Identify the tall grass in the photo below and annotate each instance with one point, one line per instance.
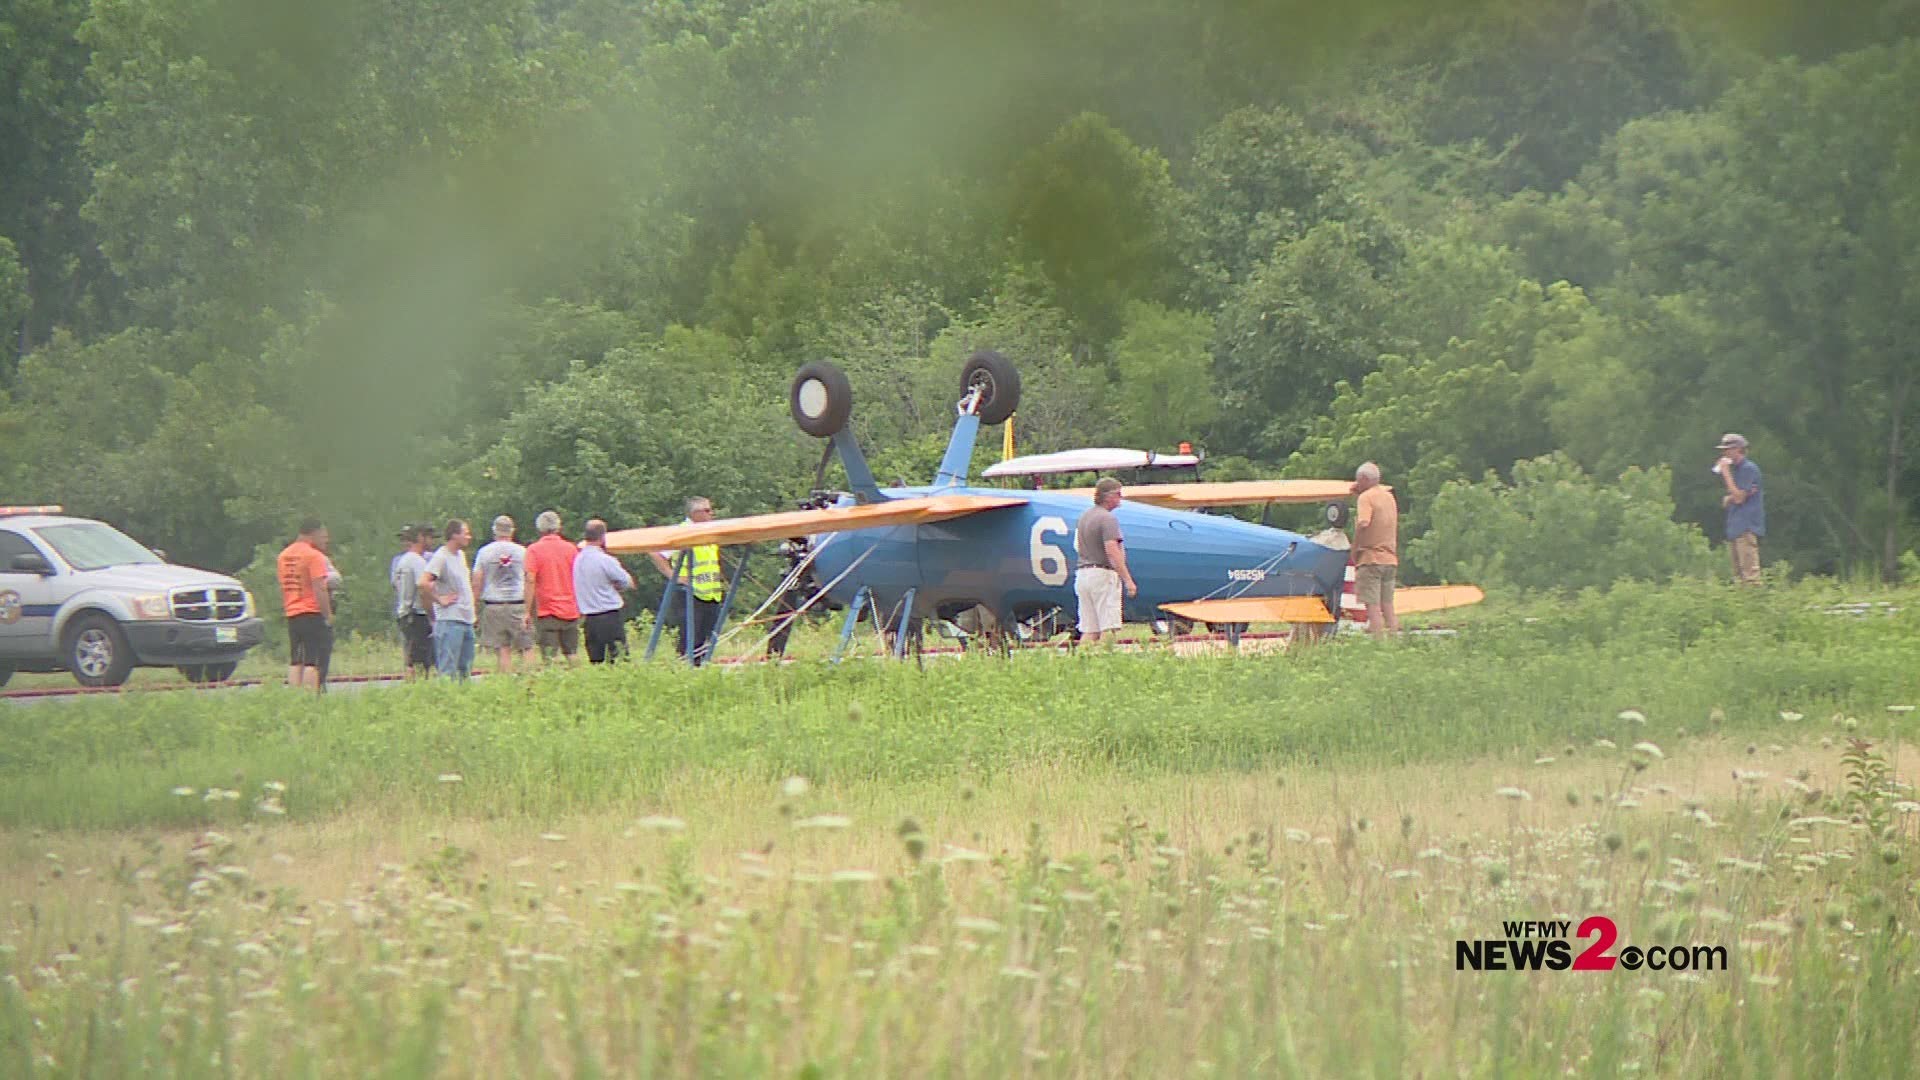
(1692, 658)
(1216, 949)
(1539, 767)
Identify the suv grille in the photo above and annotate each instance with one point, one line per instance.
(218, 603)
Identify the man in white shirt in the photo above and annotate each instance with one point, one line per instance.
(500, 581)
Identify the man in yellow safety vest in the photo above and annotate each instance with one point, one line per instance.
(701, 574)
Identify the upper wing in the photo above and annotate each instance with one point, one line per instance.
(1311, 609)
(1235, 493)
(746, 530)
(1417, 598)
(1287, 609)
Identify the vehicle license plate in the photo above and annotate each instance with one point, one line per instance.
(226, 635)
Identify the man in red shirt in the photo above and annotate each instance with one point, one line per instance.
(555, 610)
(308, 603)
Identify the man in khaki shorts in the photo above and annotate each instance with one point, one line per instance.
(500, 582)
(1102, 573)
(1376, 550)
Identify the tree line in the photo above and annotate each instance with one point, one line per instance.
(388, 262)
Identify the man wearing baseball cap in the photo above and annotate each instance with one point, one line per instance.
(409, 609)
(1745, 505)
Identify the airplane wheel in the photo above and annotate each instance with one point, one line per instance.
(821, 399)
(999, 383)
(1335, 515)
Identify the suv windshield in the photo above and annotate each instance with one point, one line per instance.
(92, 546)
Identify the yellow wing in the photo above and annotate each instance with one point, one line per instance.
(1420, 598)
(782, 526)
(1287, 609)
(1234, 493)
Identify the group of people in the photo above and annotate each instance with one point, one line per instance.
(510, 599)
(551, 593)
(1103, 576)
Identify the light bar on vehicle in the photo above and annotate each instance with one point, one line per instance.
(14, 511)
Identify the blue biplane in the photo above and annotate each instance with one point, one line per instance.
(951, 546)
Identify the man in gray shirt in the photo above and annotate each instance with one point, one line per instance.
(447, 585)
(1102, 573)
(500, 577)
(409, 607)
(597, 580)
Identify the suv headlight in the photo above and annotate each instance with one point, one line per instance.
(151, 607)
(246, 608)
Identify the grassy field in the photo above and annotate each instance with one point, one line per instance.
(1080, 865)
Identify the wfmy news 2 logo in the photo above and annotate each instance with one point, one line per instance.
(1547, 946)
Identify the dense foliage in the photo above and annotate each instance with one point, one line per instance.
(393, 263)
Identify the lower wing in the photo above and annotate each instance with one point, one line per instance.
(784, 526)
(1235, 493)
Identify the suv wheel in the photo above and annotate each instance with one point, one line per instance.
(97, 652)
(5, 674)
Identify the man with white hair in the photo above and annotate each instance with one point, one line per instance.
(556, 611)
(1376, 549)
(500, 581)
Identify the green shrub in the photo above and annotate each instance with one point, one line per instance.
(1555, 527)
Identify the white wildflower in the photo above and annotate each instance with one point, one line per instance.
(1514, 793)
(661, 823)
(451, 778)
(824, 821)
(793, 787)
(1649, 749)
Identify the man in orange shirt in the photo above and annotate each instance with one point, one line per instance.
(308, 603)
(1376, 550)
(550, 572)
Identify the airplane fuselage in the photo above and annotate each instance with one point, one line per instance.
(1021, 559)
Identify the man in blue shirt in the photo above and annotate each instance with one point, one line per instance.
(597, 580)
(1745, 505)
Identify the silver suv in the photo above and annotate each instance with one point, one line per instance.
(82, 596)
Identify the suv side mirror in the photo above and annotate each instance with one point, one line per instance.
(32, 563)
